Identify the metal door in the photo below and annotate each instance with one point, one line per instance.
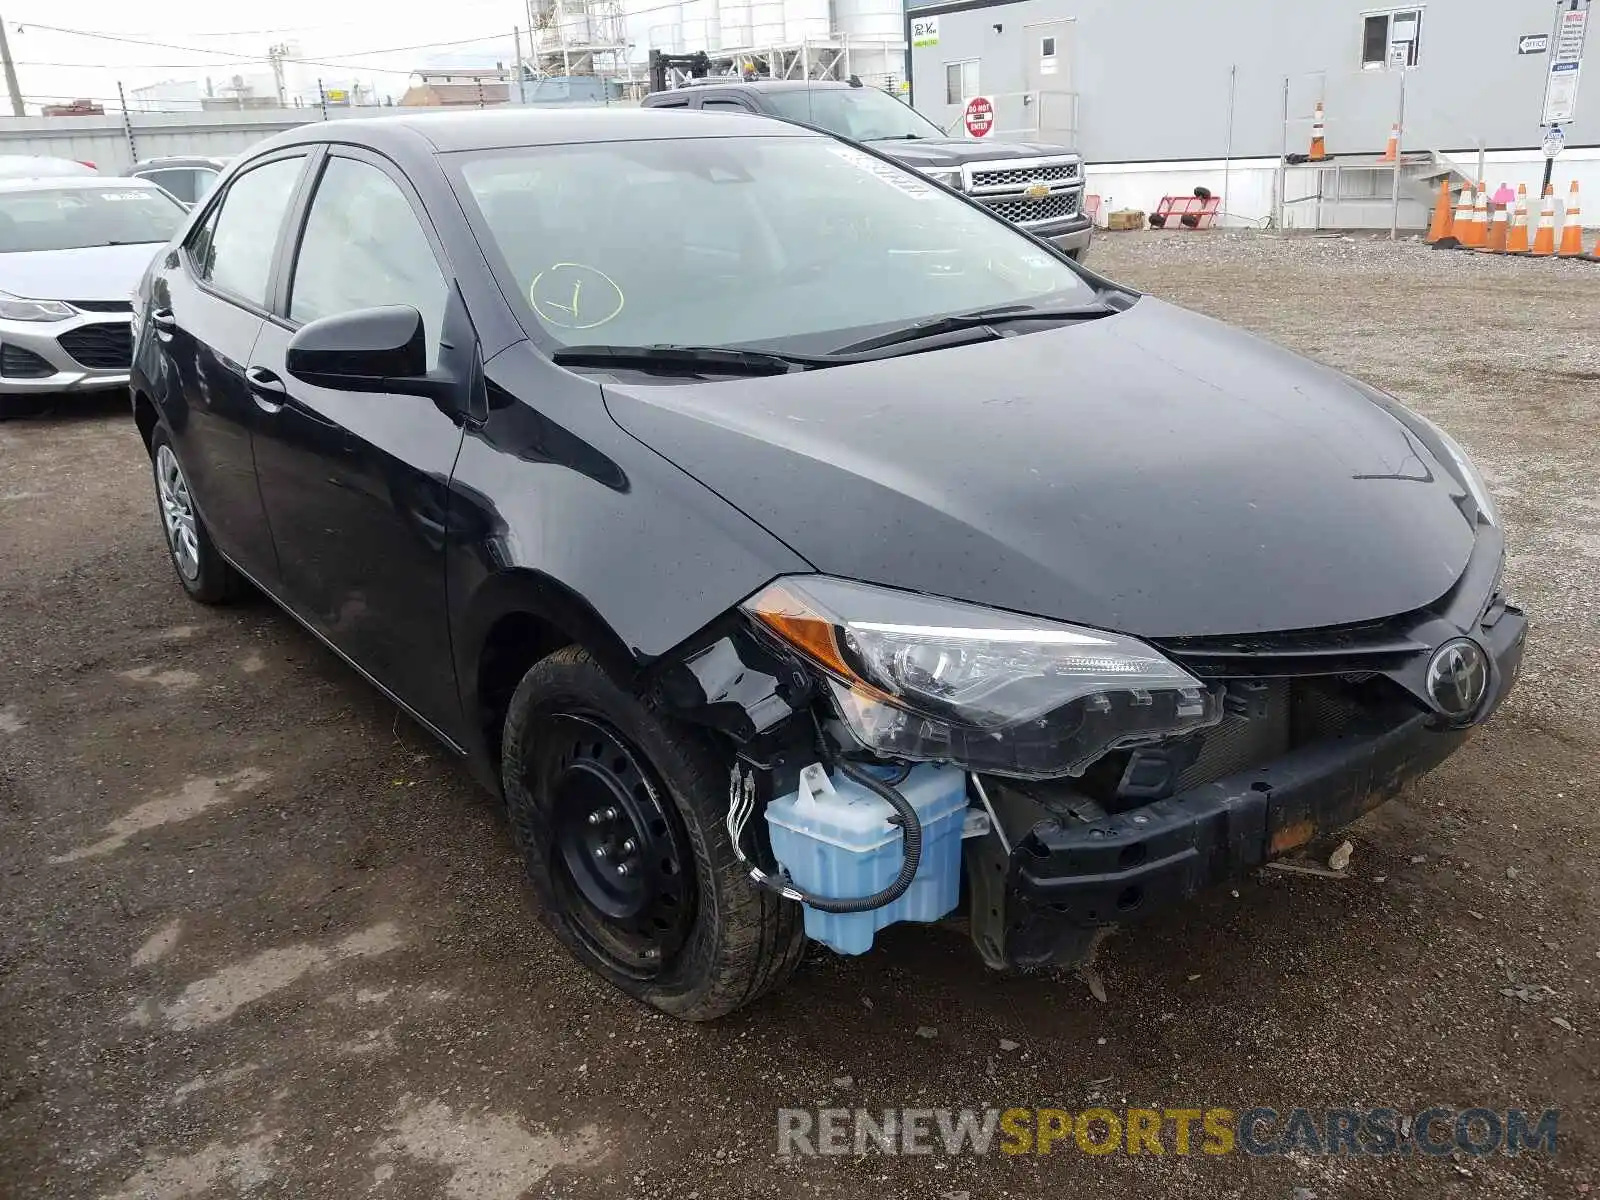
(1047, 78)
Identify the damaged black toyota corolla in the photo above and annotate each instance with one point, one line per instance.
(798, 547)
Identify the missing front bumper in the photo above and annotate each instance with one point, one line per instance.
(1064, 878)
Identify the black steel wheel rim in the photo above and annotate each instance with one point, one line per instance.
(620, 862)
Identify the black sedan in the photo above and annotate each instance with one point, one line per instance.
(797, 547)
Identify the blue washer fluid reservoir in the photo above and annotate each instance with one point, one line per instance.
(834, 838)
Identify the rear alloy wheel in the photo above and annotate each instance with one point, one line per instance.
(204, 573)
(618, 815)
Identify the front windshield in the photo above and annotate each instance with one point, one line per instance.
(792, 242)
(863, 114)
(72, 218)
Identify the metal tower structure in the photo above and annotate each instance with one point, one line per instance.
(578, 37)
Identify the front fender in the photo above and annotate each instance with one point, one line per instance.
(557, 512)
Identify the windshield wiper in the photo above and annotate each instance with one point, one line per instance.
(980, 318)
(693, 360)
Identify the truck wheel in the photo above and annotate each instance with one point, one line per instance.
(619, 818)
(203, 572)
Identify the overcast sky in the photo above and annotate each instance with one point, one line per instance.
(202, 37)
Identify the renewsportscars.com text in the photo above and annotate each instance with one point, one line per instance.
(1178, 1131)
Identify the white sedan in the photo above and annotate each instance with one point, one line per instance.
(72, 250)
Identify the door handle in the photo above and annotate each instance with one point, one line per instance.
(266, 389)
(164, 323)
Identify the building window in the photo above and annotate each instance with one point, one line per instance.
(1390, 39)
(960, 81)
(1047, 47)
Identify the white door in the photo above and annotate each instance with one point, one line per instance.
(1047, 77)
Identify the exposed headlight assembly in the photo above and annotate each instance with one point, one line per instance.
(16, 308)
(915, 677)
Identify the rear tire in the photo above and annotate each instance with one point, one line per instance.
(203, 572)
(596, 782)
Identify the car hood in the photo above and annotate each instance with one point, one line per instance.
(1154, 472)
(90, 273)
(953, 152)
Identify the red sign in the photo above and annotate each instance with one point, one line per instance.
(979, 116)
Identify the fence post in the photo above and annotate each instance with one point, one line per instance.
(1399, 161)
(1283, 161)
(1227, 154)
(127, 126)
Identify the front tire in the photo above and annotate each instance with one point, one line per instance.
(618, 816)
(203, 572)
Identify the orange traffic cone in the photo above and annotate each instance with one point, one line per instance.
(1544, 238)
(1443, 219)
(1518, 241)
(1319, 135)
(1499, 234)
(1571, 226)
(1480, 216)
(1391, 152)
(1462, 226)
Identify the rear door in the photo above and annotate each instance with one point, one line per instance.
(355, 483)
(207, 308)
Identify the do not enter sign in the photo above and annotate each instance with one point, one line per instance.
(979, 116)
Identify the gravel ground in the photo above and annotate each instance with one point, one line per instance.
(259, 936)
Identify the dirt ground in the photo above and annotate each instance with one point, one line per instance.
(258, 935)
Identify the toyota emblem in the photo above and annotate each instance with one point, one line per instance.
(1458, 677)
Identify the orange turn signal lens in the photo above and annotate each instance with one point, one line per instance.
(797, 623)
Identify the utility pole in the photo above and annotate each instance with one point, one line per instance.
(12, 87)
(276, 55)
(127, 125)
(522, 95)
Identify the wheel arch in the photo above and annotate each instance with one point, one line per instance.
(145, 418)
(514, 620)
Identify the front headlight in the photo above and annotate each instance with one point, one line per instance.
(16, 308)
(916, 677)
(950, 179)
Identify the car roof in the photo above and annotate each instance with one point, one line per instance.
(180, 160)
(56, 183)
(505, 128)
(769, 85)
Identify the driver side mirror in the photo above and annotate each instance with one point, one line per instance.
(368, 350)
